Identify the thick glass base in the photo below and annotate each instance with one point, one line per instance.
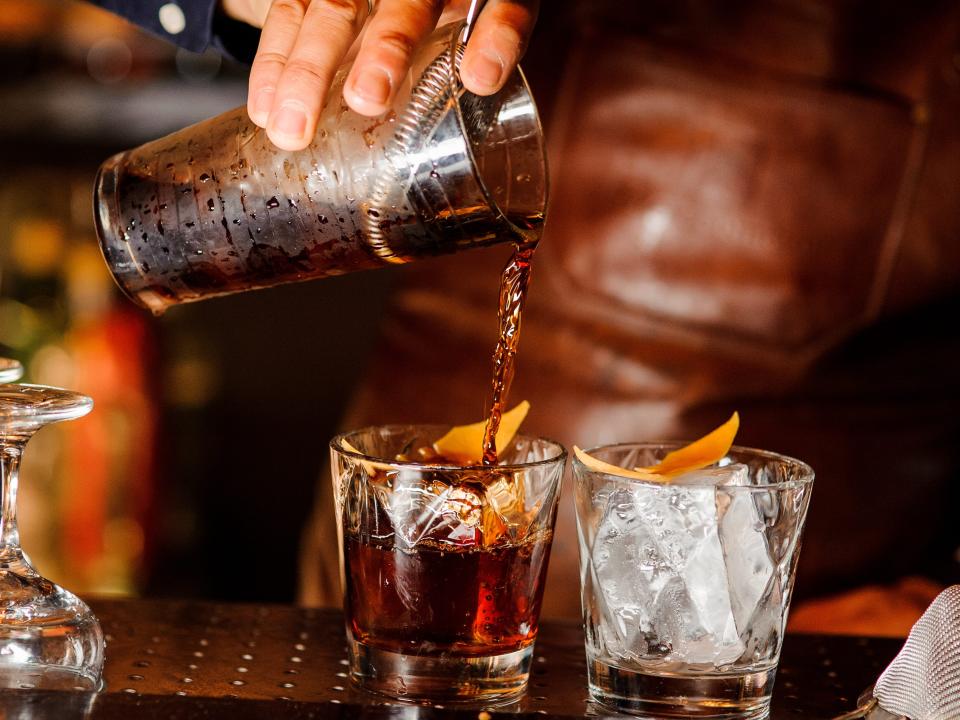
(49, 638)
(742, 696)
(445, 680)
(30, 676)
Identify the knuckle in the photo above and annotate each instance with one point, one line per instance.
(289, 9)
(310, 73)
(268, 59)
(426, 7)
(396, 43)
(511, 23)
(347, 12)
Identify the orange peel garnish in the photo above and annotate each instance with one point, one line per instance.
(699, 454)
(604, 467)
(465, 442)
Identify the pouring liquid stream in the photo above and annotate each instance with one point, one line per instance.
(514, 282)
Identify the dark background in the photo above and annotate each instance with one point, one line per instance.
(248, 389)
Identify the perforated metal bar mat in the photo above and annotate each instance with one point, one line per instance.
(180, 660)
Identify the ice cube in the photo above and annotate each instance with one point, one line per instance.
(733, 474)
(624, 563)
(659, 564)
(505, 516)
(421, 508)
(684, 523)
(746, 555)
(747, 558)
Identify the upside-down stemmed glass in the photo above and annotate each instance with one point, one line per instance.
(49, 638)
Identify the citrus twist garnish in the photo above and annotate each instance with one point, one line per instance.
(464, 443)
(701, 453)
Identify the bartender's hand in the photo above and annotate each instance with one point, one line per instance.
(304, 42)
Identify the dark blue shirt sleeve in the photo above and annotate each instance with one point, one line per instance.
(204, 26)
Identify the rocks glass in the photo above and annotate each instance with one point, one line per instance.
(686, 584)
(443, 565)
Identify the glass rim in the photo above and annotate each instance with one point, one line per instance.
(105, 186)
(337, 446)
(807, 472)
(456, 91)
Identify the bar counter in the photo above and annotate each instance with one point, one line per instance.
(177, 660)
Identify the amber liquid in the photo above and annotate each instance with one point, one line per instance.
(438, 599)
(473, 599)
(514, 282)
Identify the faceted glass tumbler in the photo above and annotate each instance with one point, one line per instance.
(49, 638)
(443, 566)
(686, 585)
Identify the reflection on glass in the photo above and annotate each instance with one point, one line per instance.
(46, 705)
(10, 370)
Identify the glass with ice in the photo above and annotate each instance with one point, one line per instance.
(443, 564)
(686, 582)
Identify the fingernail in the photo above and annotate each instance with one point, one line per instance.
(373, 85)
(262, 104)
(486, 68)
(290, 120)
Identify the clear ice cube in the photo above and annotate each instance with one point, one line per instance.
(681, 568)
(746, 556)
(625, 565)
(424, 509)
(733, 474)
(659, 565)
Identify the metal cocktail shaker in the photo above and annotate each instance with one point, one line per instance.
(216, 208)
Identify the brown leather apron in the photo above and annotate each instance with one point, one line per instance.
(755, 206)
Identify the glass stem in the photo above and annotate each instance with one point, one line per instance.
(10, 453)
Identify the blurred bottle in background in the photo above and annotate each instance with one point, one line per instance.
(79, 82)
(87, 492)
(156, 491)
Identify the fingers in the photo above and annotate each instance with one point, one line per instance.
(304, 41)
(279, 35)
(300, 72)
(497, 43)
(394, 33)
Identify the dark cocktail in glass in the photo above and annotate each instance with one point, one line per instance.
(444, 565)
